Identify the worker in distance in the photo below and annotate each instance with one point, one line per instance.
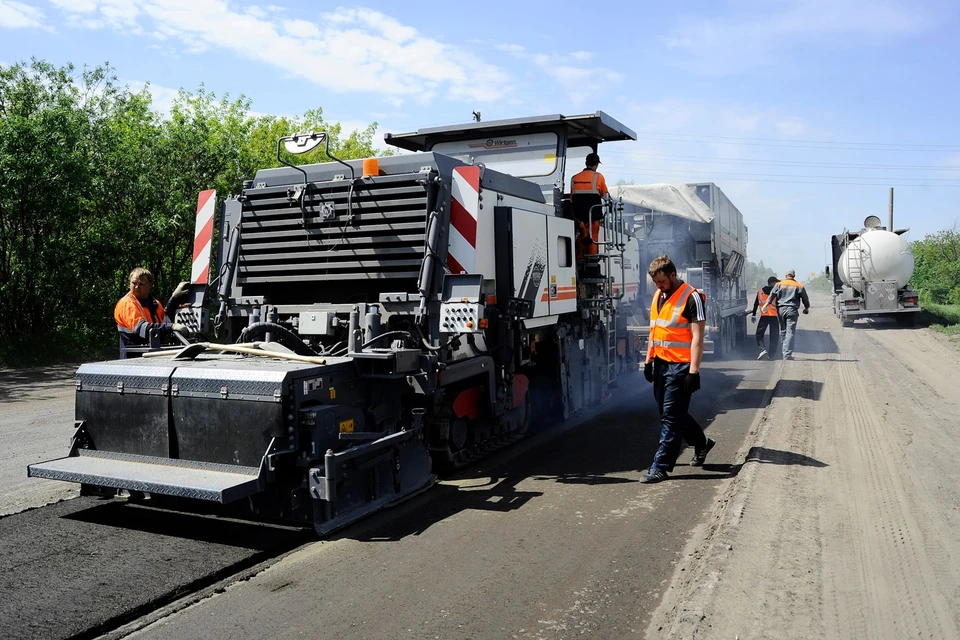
(788, 294)
(768, 320)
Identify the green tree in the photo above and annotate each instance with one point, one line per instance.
(936, 273)
(93, 182)
(756, 274)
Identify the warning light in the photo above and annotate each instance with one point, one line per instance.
(484, 323)
(371, 167)
(469, 324)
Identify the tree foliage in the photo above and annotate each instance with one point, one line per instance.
(94, 182)
(756, 274)
(936, 273)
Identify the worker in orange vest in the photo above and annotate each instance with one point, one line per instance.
(677, 323)
(768, 320)
(587, 190)
(138, 314)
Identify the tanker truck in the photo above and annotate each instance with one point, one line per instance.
(871, 270)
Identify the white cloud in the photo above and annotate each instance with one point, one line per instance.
(760, 29)
(344, 50)
(580, 82)
(17, 15)
(101, 14)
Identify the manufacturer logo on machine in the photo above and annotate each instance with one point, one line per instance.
(494, 143)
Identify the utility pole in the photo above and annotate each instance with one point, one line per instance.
(890, 228)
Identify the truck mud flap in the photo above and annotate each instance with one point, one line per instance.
(181, 478)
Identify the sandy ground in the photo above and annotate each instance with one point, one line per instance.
(842, 521)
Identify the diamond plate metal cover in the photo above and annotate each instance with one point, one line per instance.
(237, 384)
(130, 376)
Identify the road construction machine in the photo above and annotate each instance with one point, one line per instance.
(373, 321)
(871, 272)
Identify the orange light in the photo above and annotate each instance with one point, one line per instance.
(371, 167)
(470, 324)
(484, 323)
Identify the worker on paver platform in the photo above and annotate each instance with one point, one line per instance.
(587, 189)
(788, 294)
(677, 321)
(138, 312)
(768, 319)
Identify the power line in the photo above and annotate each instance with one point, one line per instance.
(919, 147)
(847, 182)
(798, 175)
(784, 163)
(823, 145)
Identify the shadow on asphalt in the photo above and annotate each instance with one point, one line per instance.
(806, 389)
(614, 441)
(23, 385)
(255, 536)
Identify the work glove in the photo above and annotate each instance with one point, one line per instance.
(180, 291)
(806, 309)
(648, 371)
(181, 328)
(753, 319)
(691, 383)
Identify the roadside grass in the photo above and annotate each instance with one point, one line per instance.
(943, 318)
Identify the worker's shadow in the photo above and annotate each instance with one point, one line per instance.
(761, 455)
(606, 448)
(764, 455)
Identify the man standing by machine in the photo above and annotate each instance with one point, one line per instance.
(768, 319)
(587, 190)
(677, 321)
(788, 294)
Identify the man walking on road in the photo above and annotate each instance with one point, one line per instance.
(788, 294)
(768, 319)
(677, 321)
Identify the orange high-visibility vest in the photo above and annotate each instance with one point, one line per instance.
(129, 312)
(588, 181)
(671, 337)
(772, 309)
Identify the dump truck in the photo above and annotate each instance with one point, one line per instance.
(698, 226)
(369, 323)
(871, 273)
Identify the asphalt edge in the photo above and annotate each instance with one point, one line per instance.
(680, 613)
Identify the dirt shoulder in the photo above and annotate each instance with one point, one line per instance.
(841, 521)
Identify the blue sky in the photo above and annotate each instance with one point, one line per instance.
(804, 112)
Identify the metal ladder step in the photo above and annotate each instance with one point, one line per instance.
(182, 478)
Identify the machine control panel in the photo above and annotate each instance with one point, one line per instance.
(460, 317)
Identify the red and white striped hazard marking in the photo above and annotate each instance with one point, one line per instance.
(464, 211)
(203, 236)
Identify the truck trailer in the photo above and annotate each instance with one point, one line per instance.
(368, 324)
(698, 226)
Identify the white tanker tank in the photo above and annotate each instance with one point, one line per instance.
(872, 269)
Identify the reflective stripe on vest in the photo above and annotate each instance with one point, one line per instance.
(772, 309)
(670, 334)
(593, 185)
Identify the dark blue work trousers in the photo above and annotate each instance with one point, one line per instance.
(676, 424)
